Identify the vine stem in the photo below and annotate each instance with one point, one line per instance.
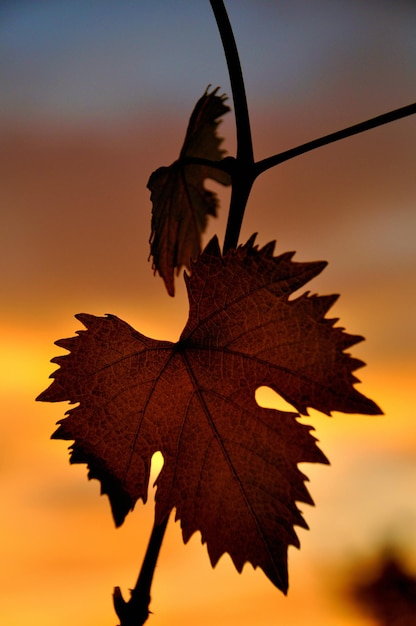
(135, 611)
(242, 170)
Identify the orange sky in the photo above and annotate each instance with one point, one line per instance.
(76, 217)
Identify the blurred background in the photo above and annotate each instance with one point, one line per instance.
(95, 96)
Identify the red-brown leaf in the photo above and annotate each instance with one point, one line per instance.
(230, 466)
(181, 203)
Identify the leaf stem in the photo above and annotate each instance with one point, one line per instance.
(243, 172)
(379, 120)
(136, 611)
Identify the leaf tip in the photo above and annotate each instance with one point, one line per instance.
(121, 502)
(170, 285)
(212, 248)
(250, 243)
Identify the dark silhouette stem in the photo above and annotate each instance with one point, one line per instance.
(244, 141)
(243, 172)
(385, 118)
(136, 611)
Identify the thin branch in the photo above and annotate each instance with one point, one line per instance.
(136, 611)
(385, 118)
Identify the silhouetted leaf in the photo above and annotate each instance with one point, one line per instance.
(181, 203)
(230, 466)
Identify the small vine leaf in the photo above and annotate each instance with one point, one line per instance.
(230, 466)
(181, 203)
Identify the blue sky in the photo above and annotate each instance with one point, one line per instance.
(108, 59)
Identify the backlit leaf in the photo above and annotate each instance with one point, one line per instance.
(230, 466)
(181, 203)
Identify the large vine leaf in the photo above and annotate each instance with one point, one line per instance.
(181, 203)
(230, 466)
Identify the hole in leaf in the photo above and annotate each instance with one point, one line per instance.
(156, 466)
(269, 399)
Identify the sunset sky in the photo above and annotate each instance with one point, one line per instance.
(95, 95)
